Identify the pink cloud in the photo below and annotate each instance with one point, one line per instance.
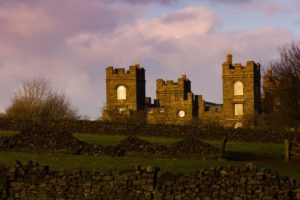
(163, 2)
(32, 45)
(268, 7)
(296, 4)
(74, 49)
(27, 22)
(171, 48)
(177, 25)
(35, 25)
(231, 1)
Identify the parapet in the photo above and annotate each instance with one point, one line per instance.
(134, 71)
(182, 82)
(230, 67)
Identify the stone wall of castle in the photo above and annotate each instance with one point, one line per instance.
(212, 115)
(240, 103)
(133, 85)
(169, 91)
(177, 104)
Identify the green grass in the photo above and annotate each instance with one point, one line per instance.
(233, 149)
(262, 155)
(7, 133)
(272, 150)
(115, 139)
(58, 161)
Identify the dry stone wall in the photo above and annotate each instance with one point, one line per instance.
(34, 181)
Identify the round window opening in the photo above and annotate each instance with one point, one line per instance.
(181, 113)
(238, 125)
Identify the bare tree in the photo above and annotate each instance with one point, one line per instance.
(286, 72)
(37, 101)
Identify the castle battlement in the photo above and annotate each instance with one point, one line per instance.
(134, 71)
(175, 102)
(125, 89)
(229, 67)
(182, 82)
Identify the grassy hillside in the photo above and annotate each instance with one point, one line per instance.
(262, 155)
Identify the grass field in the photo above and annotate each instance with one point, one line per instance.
(58, 161)
(237, 148)
(6, 133)
(262, 155)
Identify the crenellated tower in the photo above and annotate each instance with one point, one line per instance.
(241, 92)
(176, 102)
(125, 90)
(166, 91)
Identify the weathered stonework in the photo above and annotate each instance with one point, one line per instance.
(134, 82)
(34, 181)
(249, 76)
(176, 103)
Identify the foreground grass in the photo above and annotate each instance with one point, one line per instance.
(115, 139)
(58, 161)
(262, 155)
(7, 133)
(235, 150)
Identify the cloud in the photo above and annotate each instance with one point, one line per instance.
(45, 19)
(231, 1)
(296, 5)
(32, 45)
(24, 21)
(179, 24)
(162, 2)
(169, 45)
(72, 48)
(266, 7)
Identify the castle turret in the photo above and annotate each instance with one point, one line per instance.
(176, 102)
(241, 92)
(125, 90)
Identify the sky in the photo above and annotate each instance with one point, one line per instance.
(71, 42)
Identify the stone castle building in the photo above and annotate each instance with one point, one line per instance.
(176, 103)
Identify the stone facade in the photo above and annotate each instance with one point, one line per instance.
(175, 102)
(125, 90)
(241, 103)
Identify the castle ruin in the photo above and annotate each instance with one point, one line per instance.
(175, 102)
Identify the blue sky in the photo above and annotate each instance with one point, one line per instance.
(70, 42)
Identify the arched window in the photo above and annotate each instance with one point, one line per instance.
(238, 88)
(121, 93)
